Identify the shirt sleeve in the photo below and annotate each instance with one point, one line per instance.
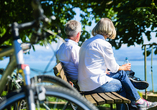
(75, 56)
(110, 61)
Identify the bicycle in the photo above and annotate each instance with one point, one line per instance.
(36, 95)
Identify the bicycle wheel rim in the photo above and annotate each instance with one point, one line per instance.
(59, 93)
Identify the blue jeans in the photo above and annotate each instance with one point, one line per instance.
(122, 85)
(112, 86)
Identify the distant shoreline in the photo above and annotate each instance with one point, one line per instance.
(138, 60)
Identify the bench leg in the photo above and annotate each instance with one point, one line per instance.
(126, 106)
(65, 106)
(111, 106)
(73, 107)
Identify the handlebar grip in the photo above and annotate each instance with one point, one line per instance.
(25, 46)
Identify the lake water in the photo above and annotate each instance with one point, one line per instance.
(137, 67)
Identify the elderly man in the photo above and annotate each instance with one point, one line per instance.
(68, 52)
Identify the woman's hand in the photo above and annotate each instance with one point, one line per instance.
(125, 67)
(107, 71)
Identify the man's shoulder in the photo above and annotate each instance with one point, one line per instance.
(69, 46)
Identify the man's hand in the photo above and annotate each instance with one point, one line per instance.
(71, 83)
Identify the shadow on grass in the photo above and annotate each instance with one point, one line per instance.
(106, 107)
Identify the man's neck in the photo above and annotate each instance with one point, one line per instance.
(73, 38)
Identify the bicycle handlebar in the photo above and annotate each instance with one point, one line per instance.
(34, 23)
(38, 11)
(40, 20)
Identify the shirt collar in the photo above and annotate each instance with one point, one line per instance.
(71, 41)
(100, 36)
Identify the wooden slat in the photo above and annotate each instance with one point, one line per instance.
(57, 68)
(59, 72)
(62, 75)
(90, 98)
(116, 99)
(106, 98)
(98, 99)
(125, 100)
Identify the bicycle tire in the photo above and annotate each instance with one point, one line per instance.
(57, 93)
(52, 81)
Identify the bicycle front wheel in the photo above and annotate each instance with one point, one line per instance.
(57, 98)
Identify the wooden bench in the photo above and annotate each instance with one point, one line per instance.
(95, 98)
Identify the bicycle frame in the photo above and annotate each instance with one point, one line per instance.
(9, 69)
(17, 61)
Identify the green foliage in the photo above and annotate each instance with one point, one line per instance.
(132, 18)
(148, 52)
(149, 48)
(4, 93)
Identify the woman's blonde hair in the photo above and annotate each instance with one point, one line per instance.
(105, 27)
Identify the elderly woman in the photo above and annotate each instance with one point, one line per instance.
(95, 57)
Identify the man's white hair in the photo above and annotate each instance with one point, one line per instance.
(72, 27)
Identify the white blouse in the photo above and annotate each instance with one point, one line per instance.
(96, 55)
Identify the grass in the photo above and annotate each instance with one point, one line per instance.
(106, 107)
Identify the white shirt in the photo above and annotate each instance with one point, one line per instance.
(68, 54)
(96, 55)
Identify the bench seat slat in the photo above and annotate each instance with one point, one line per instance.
(98, 99)
(106, 98)
(90, 98)
(125, 100)
(115, 98)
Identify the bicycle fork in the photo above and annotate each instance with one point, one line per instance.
(23, 68)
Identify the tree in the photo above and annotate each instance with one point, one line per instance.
(132, 18)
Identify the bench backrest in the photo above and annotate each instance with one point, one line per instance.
(59, 71)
